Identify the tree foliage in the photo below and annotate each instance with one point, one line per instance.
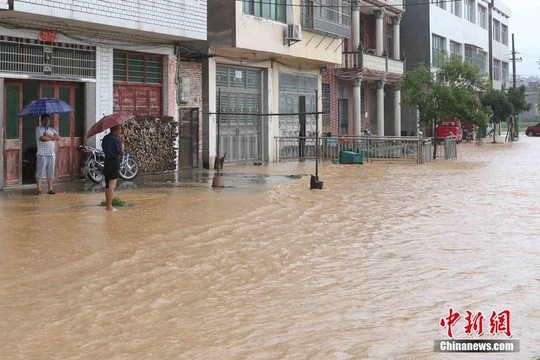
(450, 91)
(500, 106)
(517, 97)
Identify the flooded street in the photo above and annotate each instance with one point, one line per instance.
(268, 269)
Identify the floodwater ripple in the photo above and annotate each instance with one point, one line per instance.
(362, 269)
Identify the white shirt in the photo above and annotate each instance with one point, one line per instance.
(45, 148)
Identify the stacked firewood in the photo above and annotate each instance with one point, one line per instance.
(152, 141)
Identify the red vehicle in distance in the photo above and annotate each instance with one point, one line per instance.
(450, 127)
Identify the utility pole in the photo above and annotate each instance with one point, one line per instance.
(515, 133)
(490, 38)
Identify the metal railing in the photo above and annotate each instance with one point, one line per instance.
(372, 148)
(447, 148)
(360, 59)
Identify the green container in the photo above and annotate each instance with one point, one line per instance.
(350, 157)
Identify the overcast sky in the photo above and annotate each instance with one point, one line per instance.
(524, 24)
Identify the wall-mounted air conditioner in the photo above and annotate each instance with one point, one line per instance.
(293, 34)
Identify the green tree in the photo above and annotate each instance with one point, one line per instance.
(449, 91)
(501, 108)
(517, 97)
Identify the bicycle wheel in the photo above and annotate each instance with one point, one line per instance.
(129, 168)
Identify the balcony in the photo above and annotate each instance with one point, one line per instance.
(359, 59)
(327, 17)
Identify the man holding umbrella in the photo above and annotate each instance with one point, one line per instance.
(46, 152)
(113, 149)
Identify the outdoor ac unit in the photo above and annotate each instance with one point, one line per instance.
(293, 33)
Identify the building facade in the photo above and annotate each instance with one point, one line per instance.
(361, 93)
(100, 57)
(268, 56)
(475, 30)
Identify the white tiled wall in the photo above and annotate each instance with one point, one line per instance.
(186, 18)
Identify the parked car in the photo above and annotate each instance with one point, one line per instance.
(533, 130)
(450, 127)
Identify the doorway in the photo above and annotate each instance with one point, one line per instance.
(188, 156)
(20, 141)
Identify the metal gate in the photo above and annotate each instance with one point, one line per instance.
(241, 135)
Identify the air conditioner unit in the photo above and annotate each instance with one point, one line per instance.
(293, 33)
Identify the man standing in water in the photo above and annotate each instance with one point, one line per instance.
(46, 152)
(113, 149)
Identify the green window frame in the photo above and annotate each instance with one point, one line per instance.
(268, 9)
(137, 68)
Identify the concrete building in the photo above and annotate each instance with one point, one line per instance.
(531, 96)
(458, 27)
(99, 56)
(268, 56)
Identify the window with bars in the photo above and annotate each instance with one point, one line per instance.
(267, 9)
(455, 49)
(438, 49)
(137, 68)
(496, 70)
(476, 56)
(34, 57)
(504, 71)
(326, 104)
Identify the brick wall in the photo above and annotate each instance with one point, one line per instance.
(193, 71)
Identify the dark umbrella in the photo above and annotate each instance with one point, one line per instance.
(46, 106)
(108, 122)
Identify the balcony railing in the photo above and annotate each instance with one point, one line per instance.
(359, 59)
(329, 17)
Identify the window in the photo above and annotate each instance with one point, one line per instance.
(268, 9)
(504, 34)
(438, 49)
(455, 7)
(482, 16)
(389, 40)
(475, 55)
(496, 70)
(469, 10)
(504, 70)
(455, 49)
(439, 3)
(137, 68)
(496, 30)
(326, 104)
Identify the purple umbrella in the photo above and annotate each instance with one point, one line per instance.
(46, 106)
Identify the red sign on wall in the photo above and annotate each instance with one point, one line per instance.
(47, 35)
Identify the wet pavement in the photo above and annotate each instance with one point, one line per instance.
(240, 177)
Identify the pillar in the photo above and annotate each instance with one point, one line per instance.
(396, 20)
(357, 106)
(355, 24)
(380, 108)
(397, 112)
(379, 31)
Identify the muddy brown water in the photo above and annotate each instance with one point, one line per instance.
(267, 269)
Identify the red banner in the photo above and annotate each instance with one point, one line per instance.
(47, 35)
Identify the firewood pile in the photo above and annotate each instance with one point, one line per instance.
(151, 140)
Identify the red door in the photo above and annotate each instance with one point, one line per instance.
(70, 127)
(12, 134)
